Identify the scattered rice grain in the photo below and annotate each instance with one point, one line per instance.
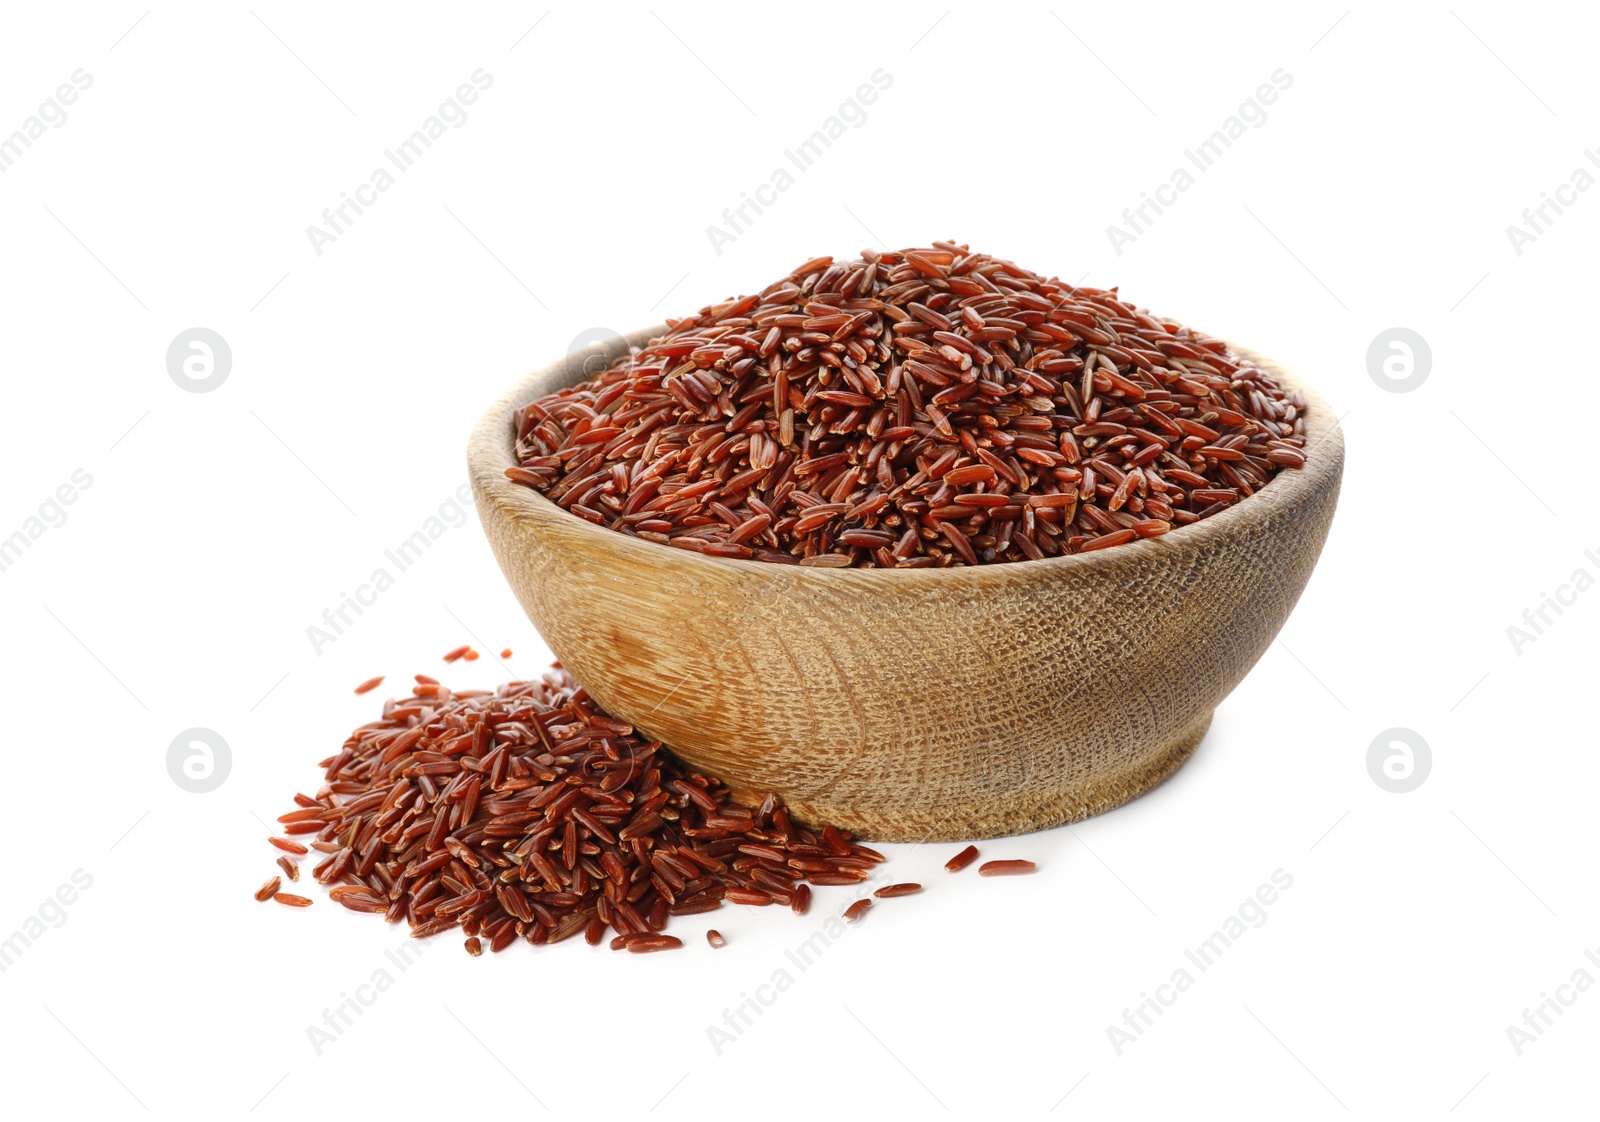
(891, 890)
(1005, 868)
(961, 860)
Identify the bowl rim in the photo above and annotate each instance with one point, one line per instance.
(492, 449)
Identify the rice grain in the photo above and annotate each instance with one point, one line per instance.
(923, 407)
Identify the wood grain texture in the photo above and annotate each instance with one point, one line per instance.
(915, 704)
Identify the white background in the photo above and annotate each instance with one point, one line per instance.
(576, 195)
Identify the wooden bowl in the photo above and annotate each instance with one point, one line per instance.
(914, 704)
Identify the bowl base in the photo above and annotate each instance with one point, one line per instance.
(1014, 814)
